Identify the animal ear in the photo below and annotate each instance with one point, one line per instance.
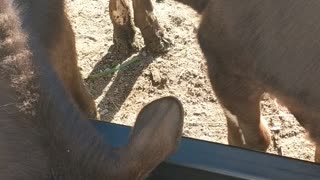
(156, 133)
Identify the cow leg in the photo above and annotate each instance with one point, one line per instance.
(308, 118)
(123, 27)
(317, 154)
(64, 60)
(147, 22)
(232, 73)
(241, 104)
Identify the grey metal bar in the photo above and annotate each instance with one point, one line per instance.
(201, 160)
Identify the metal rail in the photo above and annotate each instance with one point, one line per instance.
(201, 160)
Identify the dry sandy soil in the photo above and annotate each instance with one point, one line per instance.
(181, 73)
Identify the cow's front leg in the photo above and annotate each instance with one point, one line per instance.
(123, 26)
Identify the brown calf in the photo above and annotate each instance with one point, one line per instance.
(43, 134)
(144, 19)
(258, 46)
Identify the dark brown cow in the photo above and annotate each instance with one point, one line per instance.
(43, 134)
(257, 46)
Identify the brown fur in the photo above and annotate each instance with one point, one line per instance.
(17, 103)
(15, 65)
(62, 52)
(258, 46)
(56, 141)
(64, 58)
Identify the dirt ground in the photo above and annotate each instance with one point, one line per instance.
(181, 73)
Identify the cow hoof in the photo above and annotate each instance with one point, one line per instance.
(125, 48)
(159, 46)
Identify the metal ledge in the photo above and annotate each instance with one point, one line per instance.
(201, 160)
